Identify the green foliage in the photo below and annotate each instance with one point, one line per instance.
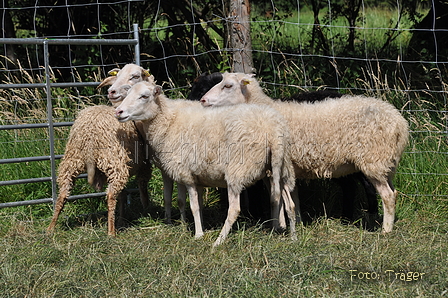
(149, 258)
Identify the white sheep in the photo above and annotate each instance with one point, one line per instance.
(121, 81)
(226, 147)
(109, 152)
(332, 138)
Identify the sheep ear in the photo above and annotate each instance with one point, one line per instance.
(150, 79)
(245, 82)
(157, 90)
(145, 72)
(107, 81)
(113, 72)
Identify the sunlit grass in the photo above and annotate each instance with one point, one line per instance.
(157, 260)
(151, 259)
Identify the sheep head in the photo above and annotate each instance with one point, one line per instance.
(141, 102)
(203, 83)
(121, 80)
(233, 89)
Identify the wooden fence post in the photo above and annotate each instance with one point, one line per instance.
(240, 40)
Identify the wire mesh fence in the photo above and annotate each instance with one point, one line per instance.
(384, 51)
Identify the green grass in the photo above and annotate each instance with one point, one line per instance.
(151, 259)
(156, 260)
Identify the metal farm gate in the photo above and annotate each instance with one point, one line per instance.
(50, 124)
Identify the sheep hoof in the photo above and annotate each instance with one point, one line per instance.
(217, 242)
(198, 236)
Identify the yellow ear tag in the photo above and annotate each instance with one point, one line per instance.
(113, 73)
(246, 82)
(146, 73)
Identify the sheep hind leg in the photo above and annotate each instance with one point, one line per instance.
(388, 196)
(281, 213)
(232, 215)
(276, 201)
(67, 174)
(60, 202)
(290, 210)
(111, 206)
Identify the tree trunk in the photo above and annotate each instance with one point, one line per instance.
(240, 40)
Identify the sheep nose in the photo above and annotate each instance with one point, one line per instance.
(111, 91)
(118, 113)
(203, 100)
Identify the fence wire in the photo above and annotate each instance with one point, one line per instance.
(288, 56)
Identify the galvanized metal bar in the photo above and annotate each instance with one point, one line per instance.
(49, 200)
(137, 45)
(33, 180)
(34, 125)
(50, 125)
(55, 85)
(25, 203)
(66, 41)
(54, 192)
(25, 181)
(28, 159)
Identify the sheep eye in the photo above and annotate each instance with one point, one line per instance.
(134, 77)
(145, 96)
(227, 86)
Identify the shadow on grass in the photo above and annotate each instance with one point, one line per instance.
(318, 198)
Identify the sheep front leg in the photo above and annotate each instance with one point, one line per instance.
(181, 200)
(232, 215)
(167, 196)
(196, 210)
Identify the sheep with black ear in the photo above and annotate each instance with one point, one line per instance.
(332, 138)
(257, 196)
(227, 147)
(108, 151)
(203, 83)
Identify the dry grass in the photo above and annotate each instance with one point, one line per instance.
(152, 259)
